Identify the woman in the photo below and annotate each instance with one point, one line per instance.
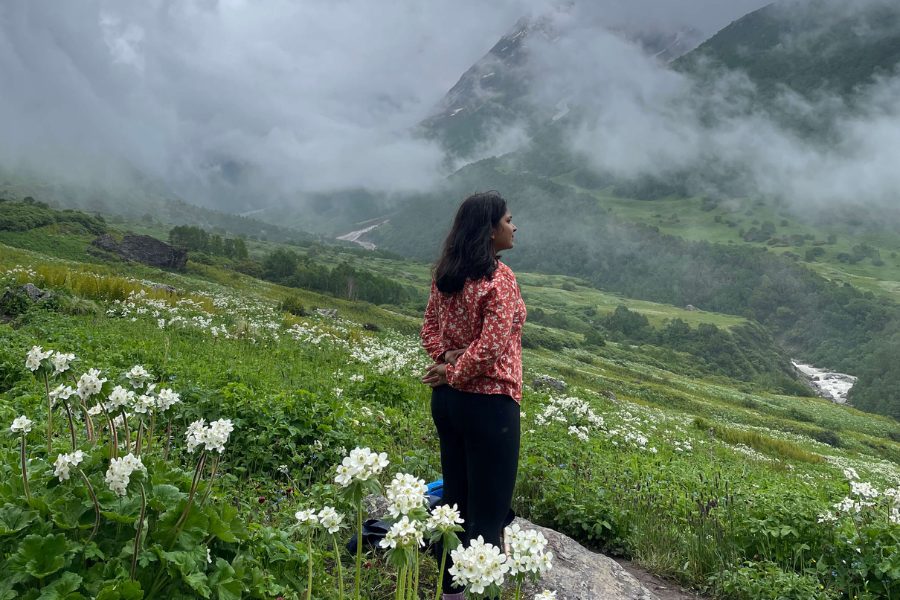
(473, 332)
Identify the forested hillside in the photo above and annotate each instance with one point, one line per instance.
(565, 232)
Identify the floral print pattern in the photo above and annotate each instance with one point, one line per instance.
(486, 318)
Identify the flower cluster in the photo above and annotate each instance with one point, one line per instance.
(403, 534)
(21, 424)
(61, 362)
(361, 465)
(166, 398)
(330, 519)
(90, 384)
(405, 493)
(527, 548)
(61, 392)
(138, 376)
(443, 517)
(213, 438)
(35, 356)
(119, 473)
(479, 566)
(119, 397)
(64, 462)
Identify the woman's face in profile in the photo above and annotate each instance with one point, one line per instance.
(504, 233)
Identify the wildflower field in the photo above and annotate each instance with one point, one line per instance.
(203, 442)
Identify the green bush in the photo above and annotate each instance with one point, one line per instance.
(294, 305)
(18, 216)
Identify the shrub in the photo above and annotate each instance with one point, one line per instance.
(18, 216)
(293, 305)
(829, 437)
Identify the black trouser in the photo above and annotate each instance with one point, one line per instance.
(479, 435)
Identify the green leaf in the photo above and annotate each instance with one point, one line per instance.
(63, 588)
(6, 588)
(164, 496)
(220, 527)
(198, 582)
(13, 519)
(40, 556)
(67, 513)
(127, 510)
(122, 590)
(223, 581)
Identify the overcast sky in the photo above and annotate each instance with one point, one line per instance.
(314, 94)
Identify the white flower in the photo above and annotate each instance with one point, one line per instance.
(208, 556)
(545, 595)
(213, 437)
(137, 376)
(89, 384)
(478, 566)
(120, 397)
(119, 473)
(64, 462)
(21, 424)
(404, 534)
(864, 489)
(405, 493)
(63, 392)
(306, 516)
(61, 362)
(850, 473)
(161, 323)
(166, 399)
(330, 519)
(361, 465)
(144, 404)
(35, 356)
(444, 517)
(95, 410)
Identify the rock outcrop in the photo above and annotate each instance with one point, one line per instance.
(577, 573)
(143, 249)
(11, 303)
(545, 381)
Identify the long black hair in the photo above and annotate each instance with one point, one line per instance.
(468, 251)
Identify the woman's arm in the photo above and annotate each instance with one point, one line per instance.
(431, 329)
(495, 332)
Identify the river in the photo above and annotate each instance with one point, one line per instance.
(827, 384)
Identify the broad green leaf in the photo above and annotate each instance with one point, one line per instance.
(13, 519)
(40, 556)
(223, 581)
(6, 588)
(122, 590)
(67, 513)
(164, 497)
(198, 582)
(63, 588)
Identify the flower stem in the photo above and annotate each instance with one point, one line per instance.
(190, 500)
(168, 437)
(24, 472)
(309, 561)
(71, 424)
(337, 559)
(150, 435)
(401, 582)
(49, 417)
(440, 577)
(96, 506)
(138, 443)
(137, 538)
(416, 586)
(359, 545)
(518, 589)
(211, 478)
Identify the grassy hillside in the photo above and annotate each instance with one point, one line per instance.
(676, 458)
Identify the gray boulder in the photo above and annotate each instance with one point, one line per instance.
(691, 308)
(150, 251)
(327, 312)
(609, 395)
(577, 573)
(542, 381)
(106, 242)
(29, 290)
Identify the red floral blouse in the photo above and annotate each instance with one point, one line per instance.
(486, 318)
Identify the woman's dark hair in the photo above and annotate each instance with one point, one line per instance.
(468, 251)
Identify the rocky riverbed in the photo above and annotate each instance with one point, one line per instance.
(827, 384)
